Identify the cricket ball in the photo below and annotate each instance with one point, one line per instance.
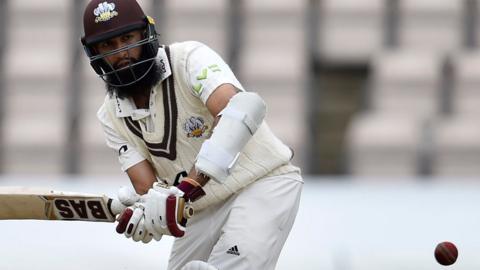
(446, 253)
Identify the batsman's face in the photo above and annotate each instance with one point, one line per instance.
(124, 57)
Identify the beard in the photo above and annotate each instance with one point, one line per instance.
(141, 87)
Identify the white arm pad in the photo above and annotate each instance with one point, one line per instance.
(240, 120)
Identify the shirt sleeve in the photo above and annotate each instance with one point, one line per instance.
(127, 153)
(206, 71)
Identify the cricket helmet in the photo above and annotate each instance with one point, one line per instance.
(105, 19)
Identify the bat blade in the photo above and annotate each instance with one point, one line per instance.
(47, 204)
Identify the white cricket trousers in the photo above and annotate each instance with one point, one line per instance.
(247, 231)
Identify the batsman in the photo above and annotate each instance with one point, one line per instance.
(187, 133)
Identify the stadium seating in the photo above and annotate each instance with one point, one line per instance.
(39, 61)
(36, 80)
(350, 31)
(408, 84)
(456, 146)
(273, 63)
(406, 81)
(428, 85)
(194, 20)
(465, 93)
(431, 25)
(381, 144)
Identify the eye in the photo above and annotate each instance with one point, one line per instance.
(104, 45)
(127, 37)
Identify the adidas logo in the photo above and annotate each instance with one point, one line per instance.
(234, 251)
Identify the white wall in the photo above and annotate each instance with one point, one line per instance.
(342, 225)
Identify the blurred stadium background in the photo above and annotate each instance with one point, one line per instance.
(379, 98)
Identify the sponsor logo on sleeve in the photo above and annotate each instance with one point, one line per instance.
(203, 75)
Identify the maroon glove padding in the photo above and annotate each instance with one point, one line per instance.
(172, 217)
(192, 192)
(123, 220)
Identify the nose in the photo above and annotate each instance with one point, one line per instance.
(121, 55)
(119, 45)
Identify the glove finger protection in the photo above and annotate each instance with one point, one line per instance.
(140, 232)
(123, 219)
(128, 197)
(155, 209)
(133, 222)
(148, 237)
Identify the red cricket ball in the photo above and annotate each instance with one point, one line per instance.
(446, 253)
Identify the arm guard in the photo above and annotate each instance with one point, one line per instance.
(239, 120)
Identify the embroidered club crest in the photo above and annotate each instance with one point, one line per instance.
(104, 12)
(195, 127)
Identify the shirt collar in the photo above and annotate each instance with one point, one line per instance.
(126, 107)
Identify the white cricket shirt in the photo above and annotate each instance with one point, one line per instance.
(200, 61)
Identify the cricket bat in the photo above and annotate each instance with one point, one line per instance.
(47, 204)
